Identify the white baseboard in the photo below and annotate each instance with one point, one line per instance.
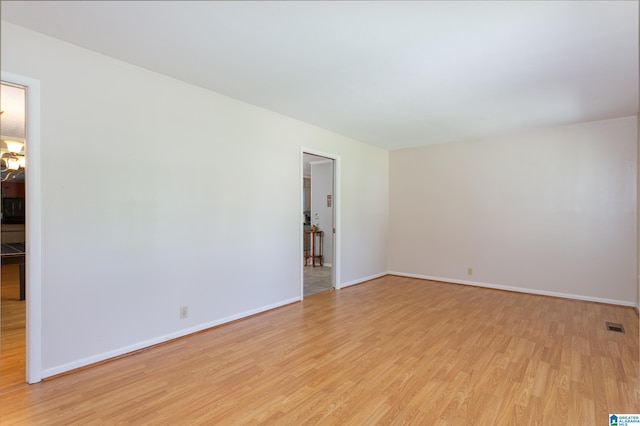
(518, 289)
(361, 280)
(161, 339)
(181, 333)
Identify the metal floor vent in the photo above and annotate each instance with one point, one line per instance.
(618, 328)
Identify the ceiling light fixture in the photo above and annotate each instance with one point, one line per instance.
(14, 147)
(12, 162)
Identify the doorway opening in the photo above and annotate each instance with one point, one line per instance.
(13, 99)
(319, 199)
(33, 224)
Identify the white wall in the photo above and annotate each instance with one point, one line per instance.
(157, 194)
(321, 214)
(551, 211)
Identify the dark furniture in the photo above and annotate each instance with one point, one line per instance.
(12, 254)
(313, 247)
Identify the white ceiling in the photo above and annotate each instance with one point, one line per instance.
(12, 119)
(390, 73)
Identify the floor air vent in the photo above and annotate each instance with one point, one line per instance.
(618, 328)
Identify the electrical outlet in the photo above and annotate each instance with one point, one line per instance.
(184, 312)
(469, 271)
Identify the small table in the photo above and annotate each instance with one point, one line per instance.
(12, 254)
(312, 250)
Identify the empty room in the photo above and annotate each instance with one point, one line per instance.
(472, 198)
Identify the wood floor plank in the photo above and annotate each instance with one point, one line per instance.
(391, 351)
(12, 330)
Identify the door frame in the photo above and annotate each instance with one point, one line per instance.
(33, 224)
(335, 266)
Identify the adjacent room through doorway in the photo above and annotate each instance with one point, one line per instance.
(12, 219)
(318, 223)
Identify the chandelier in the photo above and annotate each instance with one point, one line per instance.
(12, 162)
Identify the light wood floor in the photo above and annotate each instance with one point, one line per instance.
(12, 330)
(392, 350)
